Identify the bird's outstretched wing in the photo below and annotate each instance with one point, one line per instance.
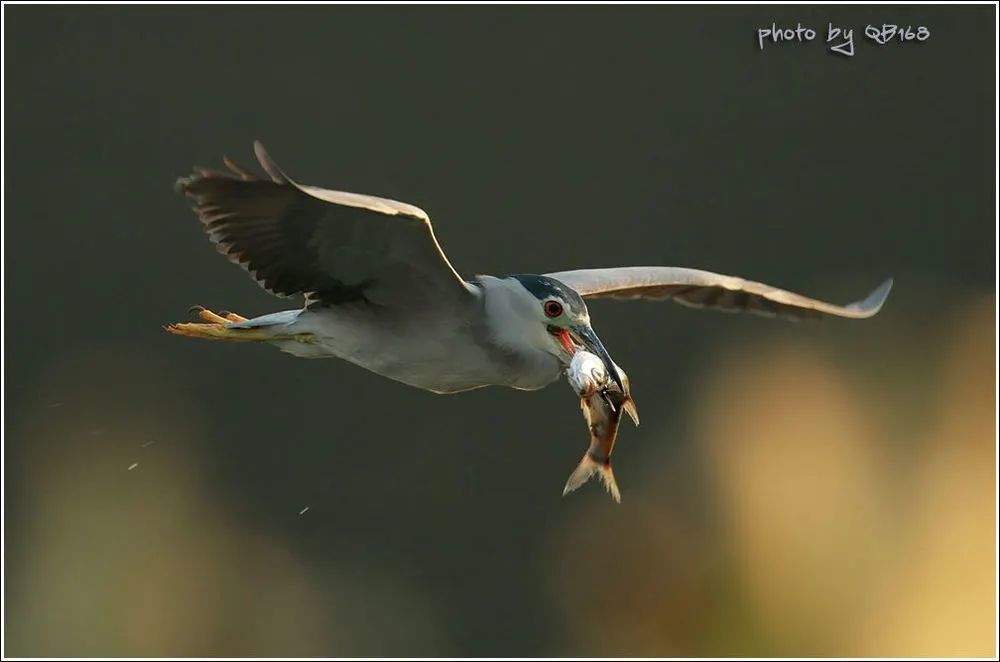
(331, 246)
(704, 289)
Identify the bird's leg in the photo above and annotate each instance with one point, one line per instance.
(209, 332)
(218, 327)
(221, 317)
(209, 316)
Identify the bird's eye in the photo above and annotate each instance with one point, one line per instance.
(553, 308)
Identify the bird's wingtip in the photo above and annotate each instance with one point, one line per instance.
(874, 301)
(881, 292)
(183, 184)
(268, 164)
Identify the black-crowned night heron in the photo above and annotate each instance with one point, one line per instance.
(380, 293)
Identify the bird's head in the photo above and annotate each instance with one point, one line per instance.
(561, 312)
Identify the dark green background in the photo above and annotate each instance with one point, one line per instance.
(538, 139)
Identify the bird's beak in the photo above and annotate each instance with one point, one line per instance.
(586, 337)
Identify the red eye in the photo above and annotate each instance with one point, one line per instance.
(553, 308)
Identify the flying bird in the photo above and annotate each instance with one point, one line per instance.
(380, 293)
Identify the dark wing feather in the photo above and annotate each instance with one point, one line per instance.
(704, 289)
(331, 246)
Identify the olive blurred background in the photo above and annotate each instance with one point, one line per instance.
(794, 489)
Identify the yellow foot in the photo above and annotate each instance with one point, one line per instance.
(218, 318)
(196, 330)
(216, 327)
(209, 316)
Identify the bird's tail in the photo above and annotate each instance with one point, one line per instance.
(589, 467)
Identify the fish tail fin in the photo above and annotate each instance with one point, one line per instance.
(587, 469)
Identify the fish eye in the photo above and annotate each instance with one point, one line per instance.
(553, 308)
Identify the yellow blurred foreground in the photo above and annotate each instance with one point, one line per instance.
(842, 504)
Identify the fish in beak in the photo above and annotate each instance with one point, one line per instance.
(602, 403)
(586, 338)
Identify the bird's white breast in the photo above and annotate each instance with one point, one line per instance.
(442, 354)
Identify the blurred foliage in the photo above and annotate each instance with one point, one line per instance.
(132, 553)
(832, 532)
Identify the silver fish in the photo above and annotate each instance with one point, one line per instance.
(602, 402)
